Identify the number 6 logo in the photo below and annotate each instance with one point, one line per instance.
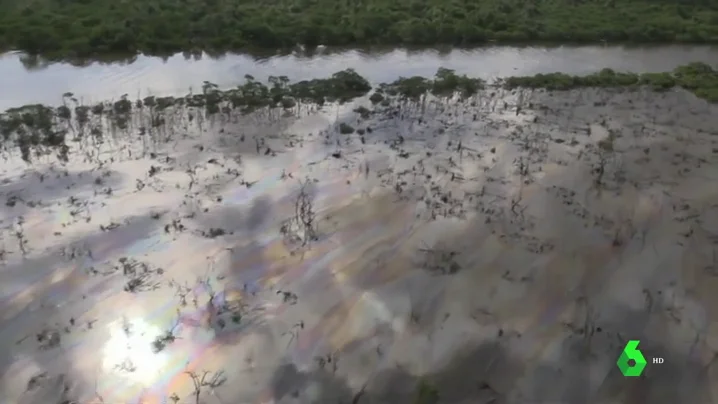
(631, 354)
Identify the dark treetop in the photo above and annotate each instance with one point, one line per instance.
(83, 28)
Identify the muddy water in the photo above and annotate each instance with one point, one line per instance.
(175, 75)
(468, 244)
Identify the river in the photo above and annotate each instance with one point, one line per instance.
(20, 85)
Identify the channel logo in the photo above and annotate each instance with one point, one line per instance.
(632, 362)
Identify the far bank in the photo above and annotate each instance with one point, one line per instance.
(62, 29)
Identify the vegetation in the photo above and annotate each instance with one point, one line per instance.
(82, 28)
(699, 78)
(43, 129)
(426, 393)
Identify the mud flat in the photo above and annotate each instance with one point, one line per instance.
(499, 248)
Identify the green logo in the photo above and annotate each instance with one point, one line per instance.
(631, 353)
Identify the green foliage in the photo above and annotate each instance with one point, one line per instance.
(699, 78)
(426, 393)
(84, 28)
(376, 97)
(446, 83)
(345, 129)
(32, 126)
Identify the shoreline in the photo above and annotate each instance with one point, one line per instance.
(303, 51)
(698, 78)
(42, 130)
(33, 61)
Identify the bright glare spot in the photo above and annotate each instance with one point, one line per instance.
(129, 352)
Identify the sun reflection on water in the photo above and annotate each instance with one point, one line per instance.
(128, 351)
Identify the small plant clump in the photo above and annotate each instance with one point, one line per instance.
(426, 393)
(33, 127)
(345, 129)
(446, 83)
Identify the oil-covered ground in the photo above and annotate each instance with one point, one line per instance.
(500, 249)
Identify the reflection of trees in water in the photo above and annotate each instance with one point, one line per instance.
(33, 62)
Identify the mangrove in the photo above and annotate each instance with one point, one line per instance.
(40, 130)
(90, 28)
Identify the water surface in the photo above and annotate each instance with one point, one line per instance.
(510, 193)
(175, 75)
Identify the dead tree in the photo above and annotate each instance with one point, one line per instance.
(301, 228)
